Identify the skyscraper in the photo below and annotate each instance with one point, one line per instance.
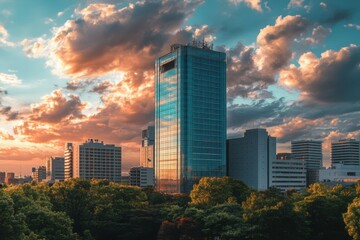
(190, 116)
(147, 153)
(250, 158)
(94, 159)
(346, 152)
(309, 151)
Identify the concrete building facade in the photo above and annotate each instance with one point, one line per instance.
(39, 173)
(310, 151)
(142, 177)
(250, 157)
(94, 159)
(68, 161)
(55, 169)
(346, 152)
(287, 173)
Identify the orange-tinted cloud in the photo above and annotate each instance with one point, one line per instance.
(251, 70)
(331, 78)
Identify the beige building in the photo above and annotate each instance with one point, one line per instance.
(68, 161)
(39, 173)
(94, 159)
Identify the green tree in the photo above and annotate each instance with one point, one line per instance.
(352, 219)
(270, 215)
(212, 190)
(324, 207)
(12, 227)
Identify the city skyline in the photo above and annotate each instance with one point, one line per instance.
(69, 72)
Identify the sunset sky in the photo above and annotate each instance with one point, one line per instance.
(72, 70)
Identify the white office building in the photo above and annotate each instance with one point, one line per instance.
(249, 158)
(94, 159)
(340, 173)
(141, 176)
(346, 152)
(310, 152)
(287, 173)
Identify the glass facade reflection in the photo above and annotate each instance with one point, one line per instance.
(190, 117)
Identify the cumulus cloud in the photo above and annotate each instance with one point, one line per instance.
(4, 36)
(295, 3)
(142, 30)
(334, 77)
(254, 4)
(35, 48)
(251, 69)
(296, 128)
(6, 136)
(319, 34)
(56, 107)
(9, 79)
(351, 25)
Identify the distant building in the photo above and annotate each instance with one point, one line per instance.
(68, 161)
(190, 116)
(10, 176)
(2, 177)
(39, 173)
(94, 159)
(142, 177)
(249, 158)
(340, 173)
(55, 169)
(147, 151)
(287, 173)
(346, 152)
(309, 151)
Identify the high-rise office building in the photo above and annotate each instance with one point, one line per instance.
(55, 169)
(68, 161)
(346, 152)
(147, 153)
(94, 159)
(39, 173)
(190, 116)
(250, 157)
(309, 151)
(141, 176)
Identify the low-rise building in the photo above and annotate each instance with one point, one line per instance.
(340, 173)
(287, 173)
(142, 176)
(39, 173)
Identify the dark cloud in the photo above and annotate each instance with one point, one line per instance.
(336, 16)
(7, 110)
(101, 87)
(258, 111)
(56, 108)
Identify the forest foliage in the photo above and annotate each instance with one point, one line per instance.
(217, 208)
